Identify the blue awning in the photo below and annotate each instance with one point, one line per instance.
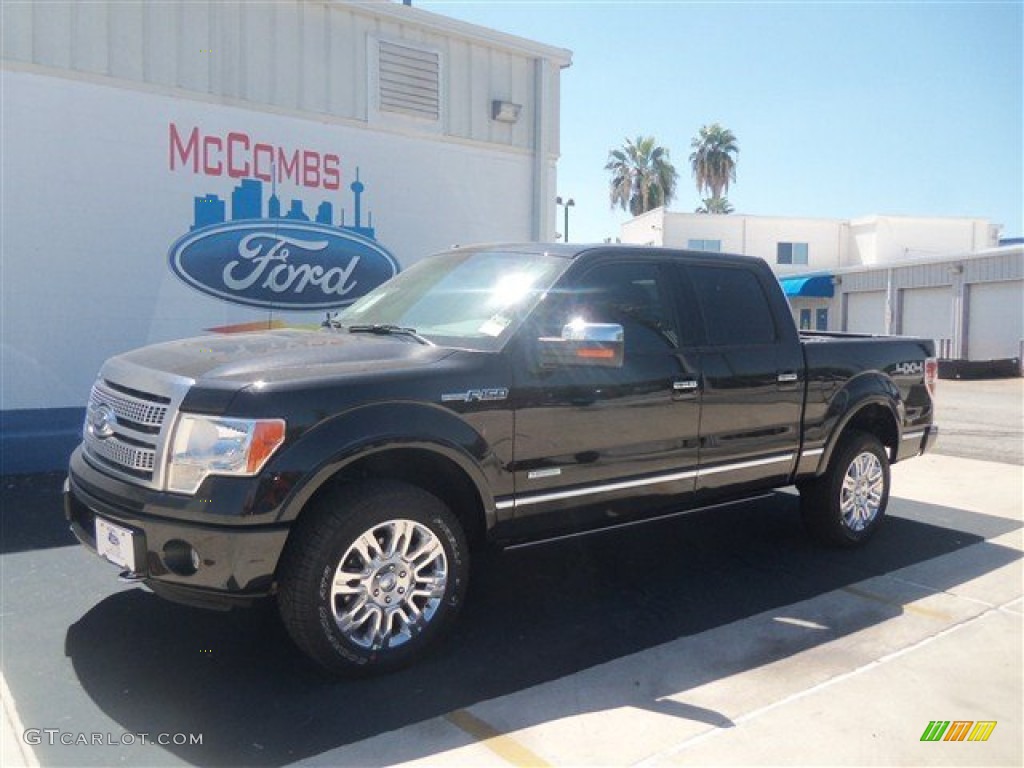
(809, 286)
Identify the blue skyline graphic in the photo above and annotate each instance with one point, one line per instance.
(247, 204)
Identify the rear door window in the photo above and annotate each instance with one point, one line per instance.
(734, 306)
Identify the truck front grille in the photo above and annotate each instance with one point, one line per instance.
(140, 409)
(120, 454)
(143, 409)
(129, 420)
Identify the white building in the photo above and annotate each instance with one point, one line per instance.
(796, 246)
(947, 279)
(141, 141)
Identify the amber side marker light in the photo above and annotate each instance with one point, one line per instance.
(600, 354)
(267, 436)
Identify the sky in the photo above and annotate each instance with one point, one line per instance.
(840, 110)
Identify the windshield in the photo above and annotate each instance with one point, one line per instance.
(471, 299)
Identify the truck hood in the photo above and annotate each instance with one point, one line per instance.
(279, 355)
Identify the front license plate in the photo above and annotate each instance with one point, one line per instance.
(115, 543)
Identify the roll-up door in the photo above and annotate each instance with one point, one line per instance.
(996, 320)
(928, 313)
(865, 312)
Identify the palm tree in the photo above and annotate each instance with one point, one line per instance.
(715, 205)
(713, 163)
(643, 178)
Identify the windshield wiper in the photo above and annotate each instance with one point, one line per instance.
(382, 329)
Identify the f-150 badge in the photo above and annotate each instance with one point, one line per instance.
(476, 396)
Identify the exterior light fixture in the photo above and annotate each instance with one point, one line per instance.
(570, 203)
(505, 111)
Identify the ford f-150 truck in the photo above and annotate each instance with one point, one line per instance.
(502, 394)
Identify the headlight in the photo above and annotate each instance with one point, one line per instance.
(204, 445)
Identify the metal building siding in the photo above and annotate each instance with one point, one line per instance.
(922, 276)
(875, 280)
(1008, 266)
(410, 80)
(311, 57)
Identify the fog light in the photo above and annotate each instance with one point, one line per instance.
(181, 558)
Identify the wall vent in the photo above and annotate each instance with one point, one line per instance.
(409, 81)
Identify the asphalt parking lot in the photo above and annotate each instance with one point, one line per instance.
(723, 637)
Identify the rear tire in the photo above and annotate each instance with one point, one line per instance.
(372, 575)
(846, 505)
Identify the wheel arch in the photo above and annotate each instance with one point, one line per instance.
(445, 457)
(870, 404)
(429, 466)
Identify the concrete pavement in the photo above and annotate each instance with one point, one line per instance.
(850, 676)
(940, 640)
(981, 419)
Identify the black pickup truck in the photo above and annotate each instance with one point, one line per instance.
(502, 394)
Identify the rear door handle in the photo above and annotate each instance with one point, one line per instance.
(685, 388)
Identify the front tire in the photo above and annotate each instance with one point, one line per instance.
(846, 506)
(371, 576)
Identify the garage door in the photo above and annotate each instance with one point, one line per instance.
(995, 320)
(865, 312)
(928, 313)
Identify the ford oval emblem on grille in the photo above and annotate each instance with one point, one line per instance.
(102, 421)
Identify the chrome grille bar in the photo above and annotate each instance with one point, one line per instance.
(135, 409)
(124, 455)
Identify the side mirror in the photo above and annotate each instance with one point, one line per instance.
(583, 344)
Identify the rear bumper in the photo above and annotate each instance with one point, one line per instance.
(234, 564)
(917, 441)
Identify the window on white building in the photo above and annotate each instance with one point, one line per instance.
(792, 253)
(715, 246)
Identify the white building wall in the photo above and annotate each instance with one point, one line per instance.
(645, 229)
(888, 239)
(822, 237)
(832, 243)
(299, 55)
(96, 191)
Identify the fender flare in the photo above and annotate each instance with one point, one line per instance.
(338, 442)
(861, 392)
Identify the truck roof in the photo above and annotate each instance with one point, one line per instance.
(574, 250)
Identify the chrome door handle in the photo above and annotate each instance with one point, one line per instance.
(788, 377)
(687, 385)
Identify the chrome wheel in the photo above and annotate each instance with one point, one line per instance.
(862, 491)
(389, 584)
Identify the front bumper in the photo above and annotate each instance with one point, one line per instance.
(234, 563)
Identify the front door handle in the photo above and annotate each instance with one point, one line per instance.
(685, 388)
(788, 377)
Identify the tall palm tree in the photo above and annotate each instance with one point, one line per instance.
(643, 177)
(713, 162)
(715, 205)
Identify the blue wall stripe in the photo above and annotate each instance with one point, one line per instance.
(38, 440)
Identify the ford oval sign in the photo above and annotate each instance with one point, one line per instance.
(281, 264)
